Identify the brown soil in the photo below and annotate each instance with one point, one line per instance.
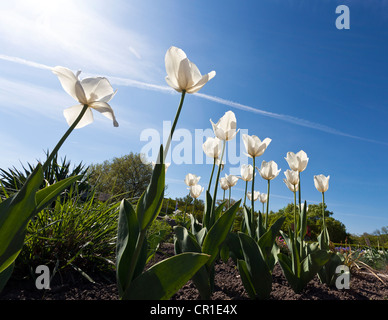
(228, 286)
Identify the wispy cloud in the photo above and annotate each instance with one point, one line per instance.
(122, 81)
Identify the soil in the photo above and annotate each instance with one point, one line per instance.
(228, 286)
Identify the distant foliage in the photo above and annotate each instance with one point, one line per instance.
(127, 176)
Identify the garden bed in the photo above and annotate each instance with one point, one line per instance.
(228, 286)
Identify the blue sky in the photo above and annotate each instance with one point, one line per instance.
(282, 67)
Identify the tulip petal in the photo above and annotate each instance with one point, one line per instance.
(97, 89)
(106, 110)
(72, 113)
(69, 82)
(173, 84)
(204, 79)
(173, 59)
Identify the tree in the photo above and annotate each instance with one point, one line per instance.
(336, 229)
(127, 176)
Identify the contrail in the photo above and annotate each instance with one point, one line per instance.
(166, 89)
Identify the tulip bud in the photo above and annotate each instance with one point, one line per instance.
(269, 170)
(191, 179)
(225, 128)
(321, 182)
(254, 146)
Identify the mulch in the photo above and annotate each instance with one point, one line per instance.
(228, 286)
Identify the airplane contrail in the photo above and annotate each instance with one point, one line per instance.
(166, 89)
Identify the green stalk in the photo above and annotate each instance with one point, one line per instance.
(224, 196)
(252, 196)
(323, 209)
(174, 124)
(230, 192)
(266, 215)
(184, 213)
(136, 254)
(295, 215)
(245, 194)
(59, 144)
(215, 187)
(300, 195)
(211, 176)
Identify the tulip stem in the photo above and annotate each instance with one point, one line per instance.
(252, 196)
(323, 210)
(211, 176)
(300, 195)
(215, 188)
(174, 124)
(295, 214)
(230, 192)
(136, 254)
(266, 215)
(59, 144)
(245, 194)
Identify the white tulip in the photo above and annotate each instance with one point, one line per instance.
(93, 92)
(195, 191)
(224, 184)
(292, 176)
(225, 128)
(263, 197)
(255, 196)
(292, 187)
(297, 162)
(212, 147)
(231, 180)
(254, 146)
(269, 170)
(182, 74)
(191, 179)
(321, 182)
(246, 172)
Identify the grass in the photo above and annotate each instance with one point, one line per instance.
(75, 232)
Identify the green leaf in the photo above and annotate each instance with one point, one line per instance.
(15, 213)
(207, 210)
(218, 233)
(5, 275)
(312, 264)
(246, 278)
(165, 278)
(127, 237)
(150, 202)
(286, 265)
(303, 222)
(48, 194)
(247, 220)
(260, 274)
(187, 242)
(267, 240)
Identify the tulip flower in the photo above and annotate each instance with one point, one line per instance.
(195, 190)
(255, 197)
(231, 180)
(246, 175)
(292, 187)
(191, 179)
(263, 199)
(268, 171)
(246, 172)
(225, 128)
(95, 93)
(212, 148)
(322, 184)
(298, 162)
(292, 177)
(224, 184)
(182, 74)
(254, 146)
